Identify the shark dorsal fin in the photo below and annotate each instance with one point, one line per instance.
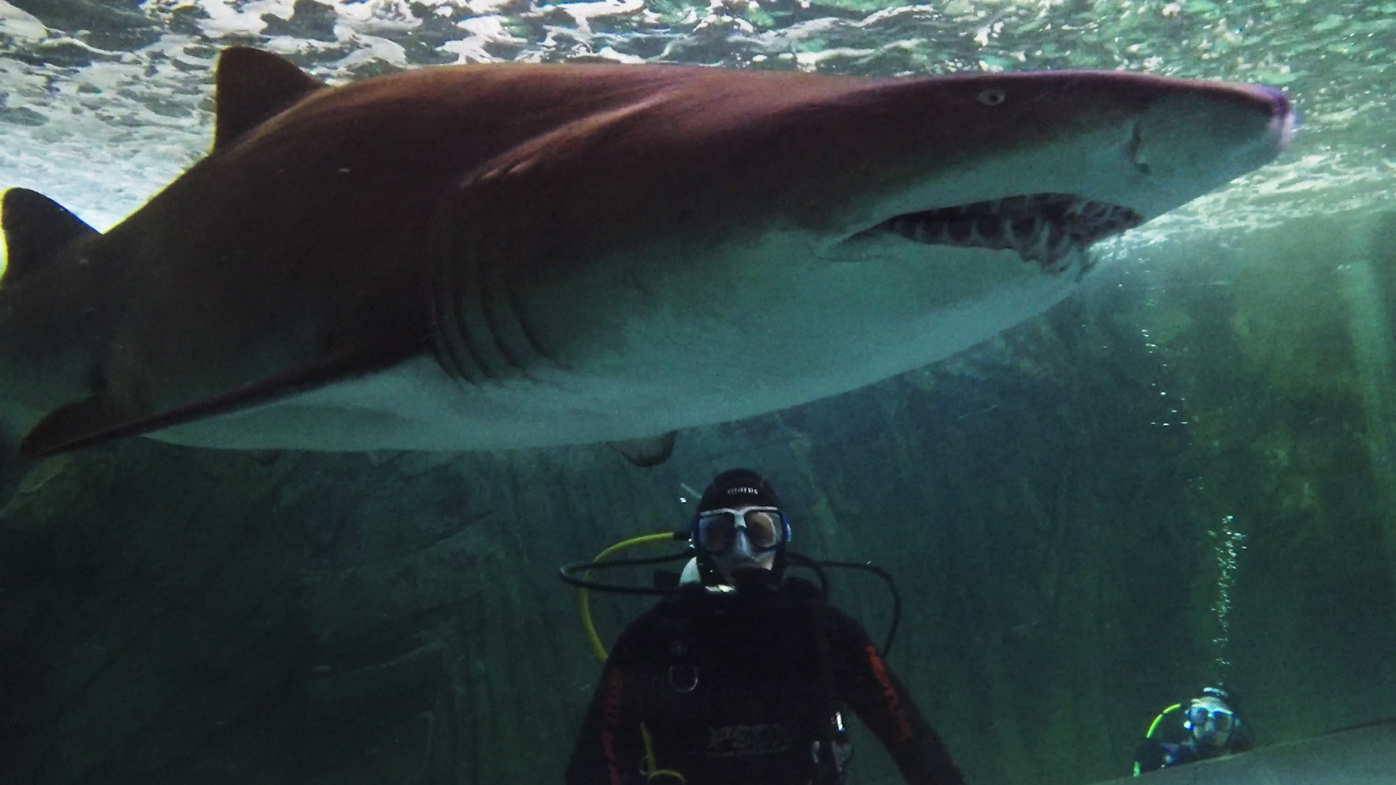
(36, 229)
(251, 86)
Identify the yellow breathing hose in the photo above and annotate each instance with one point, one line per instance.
(1154, 725)
(583, 596)
(652, 769)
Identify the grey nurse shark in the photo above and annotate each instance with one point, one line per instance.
(505, 256)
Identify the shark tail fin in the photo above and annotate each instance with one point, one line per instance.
(36, 228)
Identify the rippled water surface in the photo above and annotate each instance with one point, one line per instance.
(104, 102)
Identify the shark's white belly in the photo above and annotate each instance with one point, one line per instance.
(839, 326)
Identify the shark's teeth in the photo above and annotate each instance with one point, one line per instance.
(1044, 228)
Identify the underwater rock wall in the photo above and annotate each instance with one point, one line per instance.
(1282, 344)
(1049, 503)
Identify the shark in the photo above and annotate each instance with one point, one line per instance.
(505, 256)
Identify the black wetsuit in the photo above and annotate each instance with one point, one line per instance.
(1173, 745)
(742, 689)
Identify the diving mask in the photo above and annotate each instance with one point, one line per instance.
(1210, 722)
(764, 528)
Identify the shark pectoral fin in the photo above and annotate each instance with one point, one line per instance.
(13, 465)
(647, 452)
(96, 420)
(65, 425)
(265, 457)
(36, 229)
(251, 86)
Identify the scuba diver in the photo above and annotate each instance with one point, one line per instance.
(740, 676)
(1208, 728)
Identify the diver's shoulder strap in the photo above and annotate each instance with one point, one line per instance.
(801, 590)
(832, 748)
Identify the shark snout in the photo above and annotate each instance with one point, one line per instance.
(1284, 117)
(1192, 140)
(1278, 114)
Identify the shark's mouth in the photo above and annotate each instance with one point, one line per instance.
(1042, 228)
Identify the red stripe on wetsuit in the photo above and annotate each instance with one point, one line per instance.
(615, 688)
(890, 700)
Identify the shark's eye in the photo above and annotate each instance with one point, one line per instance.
(992, 97)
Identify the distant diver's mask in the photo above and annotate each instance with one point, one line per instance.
(741, 538)
(1210, 722)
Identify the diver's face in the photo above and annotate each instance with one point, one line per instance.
(741, 538)
(1211, 722)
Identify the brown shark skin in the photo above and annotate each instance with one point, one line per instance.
(307, 240)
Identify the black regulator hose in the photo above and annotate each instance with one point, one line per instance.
(891, 586)
(568, 573)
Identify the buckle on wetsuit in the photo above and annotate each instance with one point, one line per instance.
(683, 678)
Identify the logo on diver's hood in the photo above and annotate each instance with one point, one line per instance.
(742, 489)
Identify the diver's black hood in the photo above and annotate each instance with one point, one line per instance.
(738, 488)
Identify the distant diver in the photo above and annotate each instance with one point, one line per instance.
(741, 676)
(1207, 728)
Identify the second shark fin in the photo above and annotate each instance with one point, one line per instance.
(36, 229)
(646, 452)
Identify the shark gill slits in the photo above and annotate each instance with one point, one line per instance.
(477, 334)
(1136, 151)
(1044, 228)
